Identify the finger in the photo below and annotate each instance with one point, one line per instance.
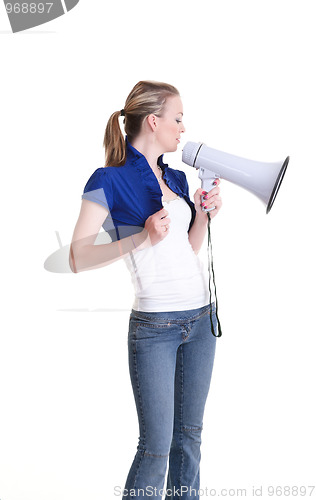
(213, 192)
(163, 213)
(217, 202)
(211, 200)
(161, 221)
(165, 222)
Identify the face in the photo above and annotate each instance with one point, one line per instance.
(169, 126)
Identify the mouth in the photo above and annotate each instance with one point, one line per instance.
(178, 140)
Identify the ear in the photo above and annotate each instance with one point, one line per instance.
(152, 122)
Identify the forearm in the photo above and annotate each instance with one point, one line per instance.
(198, 231)
(87, 257)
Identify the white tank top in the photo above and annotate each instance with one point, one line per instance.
(169, 276)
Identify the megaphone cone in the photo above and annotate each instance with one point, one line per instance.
(261, 179)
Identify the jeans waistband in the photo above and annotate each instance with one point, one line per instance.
(175, 316)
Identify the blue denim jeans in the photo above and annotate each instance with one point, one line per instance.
(171, 357)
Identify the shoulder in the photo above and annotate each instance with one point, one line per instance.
(99, 187)
(97, 177)
(101, 177)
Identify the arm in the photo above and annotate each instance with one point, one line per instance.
(84, 255)
(198, 229)
(197, 232)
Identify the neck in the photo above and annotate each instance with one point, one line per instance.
(149, 148)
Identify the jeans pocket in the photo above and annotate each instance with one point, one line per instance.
(147, 327)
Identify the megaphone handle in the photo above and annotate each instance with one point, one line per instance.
(208, 185)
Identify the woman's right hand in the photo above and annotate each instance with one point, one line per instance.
(157, 226)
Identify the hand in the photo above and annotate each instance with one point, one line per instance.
(157, 226)
(210, 199)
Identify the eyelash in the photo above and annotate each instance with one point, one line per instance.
(178, 121)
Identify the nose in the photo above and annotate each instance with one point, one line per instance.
(182, 129)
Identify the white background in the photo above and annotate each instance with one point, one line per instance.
(245, 70)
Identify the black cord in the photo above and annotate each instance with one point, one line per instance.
(209, 248)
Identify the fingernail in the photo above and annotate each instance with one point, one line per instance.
(203, 204)
(205, 197)
(204, 192)
(215, 183)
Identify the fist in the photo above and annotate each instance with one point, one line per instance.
(157, 226)
(210, 199)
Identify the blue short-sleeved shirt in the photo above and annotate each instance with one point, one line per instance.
(132, 193)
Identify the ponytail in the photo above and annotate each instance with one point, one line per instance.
(114, 143)
(147, 97)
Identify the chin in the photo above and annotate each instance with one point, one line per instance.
(171, 148)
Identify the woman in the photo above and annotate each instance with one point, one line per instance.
(158, 230)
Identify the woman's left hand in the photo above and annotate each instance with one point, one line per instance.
(210, 199)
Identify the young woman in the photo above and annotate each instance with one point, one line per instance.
(145, 206)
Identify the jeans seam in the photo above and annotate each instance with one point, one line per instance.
(141, 452)
(185, 331)
(181, 415)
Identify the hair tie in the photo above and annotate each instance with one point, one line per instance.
(122, 112)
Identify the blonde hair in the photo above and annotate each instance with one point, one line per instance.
(147, 97)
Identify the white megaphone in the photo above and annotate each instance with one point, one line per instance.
(261, 179)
